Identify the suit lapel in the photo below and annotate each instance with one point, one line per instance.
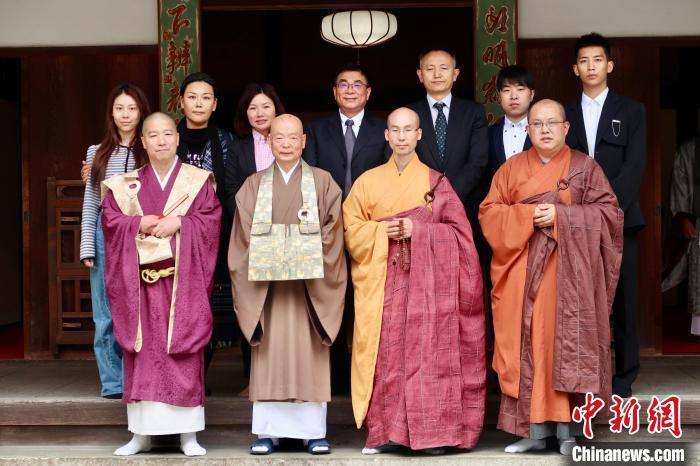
(498, 143)
(454, 123)
(249, 158)
(335, 133)
(528, 143)
(606, 114)
(426, 118)
(577, 125)
(363, 135)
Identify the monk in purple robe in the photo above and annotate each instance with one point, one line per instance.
(418, 354)
(161, 227)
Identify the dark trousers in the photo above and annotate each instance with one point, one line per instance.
(626, 319)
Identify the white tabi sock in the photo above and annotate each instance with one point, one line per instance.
(137, 444)
(389, 447)
(189, 445)
(566, 446)
(526, 444)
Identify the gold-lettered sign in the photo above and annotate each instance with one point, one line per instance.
(495, 46)
(178, 51)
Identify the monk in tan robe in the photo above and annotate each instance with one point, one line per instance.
(555, 228)
(290, 323)
(418, 355)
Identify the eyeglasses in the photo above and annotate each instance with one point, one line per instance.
(538, 125)
(344, 85)
(406, 131)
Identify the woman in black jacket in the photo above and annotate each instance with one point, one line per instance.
(258, 106)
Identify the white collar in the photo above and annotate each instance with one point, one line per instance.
(521, 124)
(287, 175)
(164, 182)
(600, 98)
(357, 119)
(447, 100)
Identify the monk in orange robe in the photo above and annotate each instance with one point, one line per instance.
(418, 354)
(555, 228)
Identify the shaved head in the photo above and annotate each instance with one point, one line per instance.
(403, 131)
(156, 116)
(288, 121)
(403, 115)
(287, 140)
(548, 102)
(547, 128)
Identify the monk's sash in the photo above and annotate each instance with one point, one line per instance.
(285, 252)
(125, 189)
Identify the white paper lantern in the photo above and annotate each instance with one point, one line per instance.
(358, 29)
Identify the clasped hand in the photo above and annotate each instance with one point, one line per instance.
(544, 215)
(159, 227)
(393, 231)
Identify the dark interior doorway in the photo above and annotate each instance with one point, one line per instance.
(680, 106)
(285, 49)
(11, 343)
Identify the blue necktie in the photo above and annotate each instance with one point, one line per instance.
(349, 147)
(440, 129)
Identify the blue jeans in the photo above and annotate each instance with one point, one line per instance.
(107, 352)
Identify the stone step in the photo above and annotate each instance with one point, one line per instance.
(222, 411)
(229, 446)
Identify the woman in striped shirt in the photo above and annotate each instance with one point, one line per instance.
(119, 151)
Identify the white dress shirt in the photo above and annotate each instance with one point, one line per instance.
(592, 109)
(287, 175)
(356, 120)
(446, 109)
(514, 135)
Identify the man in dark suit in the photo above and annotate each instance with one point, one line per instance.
(612, 129)
(329, 145)
(508, 136)
(346, 143)
(455, 137)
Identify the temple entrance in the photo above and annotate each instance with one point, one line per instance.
(11, 340)
(285, 49)
(681, 121)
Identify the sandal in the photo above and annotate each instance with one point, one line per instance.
(318, 446)
(262, 446)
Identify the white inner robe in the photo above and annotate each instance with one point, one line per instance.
(156, 418)
(280, 419)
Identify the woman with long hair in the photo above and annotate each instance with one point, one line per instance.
(119, 151)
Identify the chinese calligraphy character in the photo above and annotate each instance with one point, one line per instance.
(490, 91)
(587, 412)
(176, 13)
(494, 20)
(173, 97)
(496, 54)
(665, 415)
(178, 57)
(625, 415)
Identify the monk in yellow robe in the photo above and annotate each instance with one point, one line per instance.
(418, 355)
(555, 228)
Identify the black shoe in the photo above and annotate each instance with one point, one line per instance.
(113, 396)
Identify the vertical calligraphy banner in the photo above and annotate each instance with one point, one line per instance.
(495, 46)
(178, 51)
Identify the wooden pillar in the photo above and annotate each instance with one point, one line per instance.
(179, 45)
(495, 46)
